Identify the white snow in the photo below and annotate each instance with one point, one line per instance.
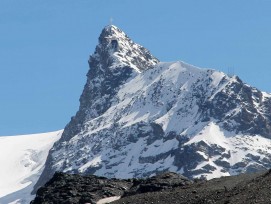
(216, 78)
(93, 163)
(211, 134)
(22, 159)
(108, 200)
(239, 147)
(160, 147)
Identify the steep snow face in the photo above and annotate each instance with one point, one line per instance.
(136, 122)
(22, 159)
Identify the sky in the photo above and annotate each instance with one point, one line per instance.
(45, 46)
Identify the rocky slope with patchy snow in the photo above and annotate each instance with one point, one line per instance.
(22, 160)
(77, 189)
(139, 116)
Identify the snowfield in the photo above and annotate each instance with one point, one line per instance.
(22, 160)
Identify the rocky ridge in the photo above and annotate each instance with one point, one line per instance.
(165, 188)
(66, 188)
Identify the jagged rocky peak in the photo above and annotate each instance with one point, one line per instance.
(116, 49)
(115, 60)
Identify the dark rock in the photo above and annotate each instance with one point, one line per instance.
(72, 188)
(160, 182)
(241, 189)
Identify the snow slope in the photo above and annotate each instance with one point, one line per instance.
(155, 124)
(22, 159)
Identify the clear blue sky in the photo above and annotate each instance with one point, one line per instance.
(45, 46)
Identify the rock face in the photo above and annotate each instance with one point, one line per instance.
(66, 188)
(161, 182)
(139, 117)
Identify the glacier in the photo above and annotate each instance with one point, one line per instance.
(22, 160)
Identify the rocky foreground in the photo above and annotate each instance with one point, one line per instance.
(165, 188)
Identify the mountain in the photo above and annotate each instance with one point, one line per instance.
(139, 116)
(22, 160)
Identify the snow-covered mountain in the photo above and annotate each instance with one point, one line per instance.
(22, 160)
(139, 116)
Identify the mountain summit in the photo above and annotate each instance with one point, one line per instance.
(139, 116)
(116, 50)
(116, 58)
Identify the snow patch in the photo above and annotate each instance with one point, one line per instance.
(211, 134)
(108, 200)
(93, 163)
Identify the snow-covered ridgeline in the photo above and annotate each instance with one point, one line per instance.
(168, 97)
